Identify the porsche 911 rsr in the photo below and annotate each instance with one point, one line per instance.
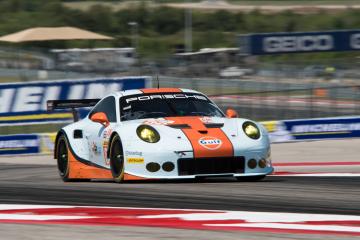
(164, 133)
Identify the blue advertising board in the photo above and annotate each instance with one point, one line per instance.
(19, 144)
(24, 103)
(300, 42)
(313, 129)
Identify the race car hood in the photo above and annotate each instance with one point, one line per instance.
(209, 136)
(195, 123)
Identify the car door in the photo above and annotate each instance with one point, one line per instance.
(98, 134)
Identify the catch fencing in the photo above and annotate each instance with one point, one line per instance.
(263, 99)
(318, 102)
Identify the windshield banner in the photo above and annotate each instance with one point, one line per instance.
(25, 103)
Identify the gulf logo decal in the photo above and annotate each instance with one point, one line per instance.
(210, 143)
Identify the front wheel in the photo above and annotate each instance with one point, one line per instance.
(117, 159)
(251, 178)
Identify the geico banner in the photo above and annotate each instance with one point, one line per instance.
(299, 42)
(19, 144)
(26, 102)
(313, 129)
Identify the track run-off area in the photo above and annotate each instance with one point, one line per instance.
(314, 194)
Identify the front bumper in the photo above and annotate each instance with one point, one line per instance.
(217, 167)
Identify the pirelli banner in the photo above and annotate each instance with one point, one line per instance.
(25, 103)
(313, 129)
(300, 42)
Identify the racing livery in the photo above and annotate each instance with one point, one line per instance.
(163, 133)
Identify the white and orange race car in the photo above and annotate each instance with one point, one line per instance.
(162, 133)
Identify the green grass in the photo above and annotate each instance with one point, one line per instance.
(29, 129)
(119, 5)
(9, 79)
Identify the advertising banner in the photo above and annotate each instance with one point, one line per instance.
(25, 103)
(313, 129)
(300, 42)
(47, 143)
(19, 144)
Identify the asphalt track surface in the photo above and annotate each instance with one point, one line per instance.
(34, 180)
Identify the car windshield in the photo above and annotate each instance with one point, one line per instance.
(167, 105)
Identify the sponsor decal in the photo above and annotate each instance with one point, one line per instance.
(134, 153)
(167, 96)
(94, 148)
(182, 153)
(210, 143)
(106, 135)
(158, 121)
(206, 119)
(135, 160)
(105, 149)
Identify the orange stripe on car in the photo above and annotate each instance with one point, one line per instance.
(161, 90)
(206, 142)
(78, 170)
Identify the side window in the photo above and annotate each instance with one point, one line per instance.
(106, 106)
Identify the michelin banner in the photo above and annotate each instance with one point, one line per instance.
(19, 144)
(313, 129)
(25, 103)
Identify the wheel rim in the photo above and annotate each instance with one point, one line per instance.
(116, 158)
(62, 158)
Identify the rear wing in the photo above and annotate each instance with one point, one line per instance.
(72, 104)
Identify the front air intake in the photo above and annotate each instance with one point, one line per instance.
(218, 165)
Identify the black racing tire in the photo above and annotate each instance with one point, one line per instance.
(117, 159)
(251, 178)
(63, 158)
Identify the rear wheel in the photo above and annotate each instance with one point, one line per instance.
(63, 158)
(251, 178)
(117, 159)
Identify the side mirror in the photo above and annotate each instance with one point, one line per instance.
(231, 113)
(101, 118)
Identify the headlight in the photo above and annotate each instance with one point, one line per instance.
(148, 134)
(251, 130)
